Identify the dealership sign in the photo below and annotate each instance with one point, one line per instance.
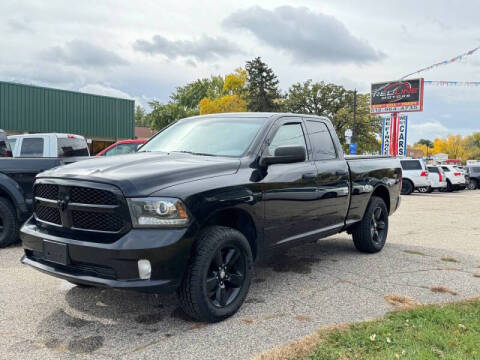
(397, 96)
(394, 143)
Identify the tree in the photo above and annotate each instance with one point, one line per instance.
(317, 98)
(425, 145)
(139, 116)
(190, 95)
(227, 103)
(262, 85)
(336, 103)
(453, 145)
(164, 114)
(368, 128)
(235, 83)
(426, 142)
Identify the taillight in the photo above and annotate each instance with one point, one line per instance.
(424, 173)
(440, 177)
(457, 174)
(71, 136)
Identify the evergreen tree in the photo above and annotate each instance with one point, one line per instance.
(263, 94)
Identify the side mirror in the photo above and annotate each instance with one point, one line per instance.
(285, 155)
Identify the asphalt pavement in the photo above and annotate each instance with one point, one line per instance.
(432, 256)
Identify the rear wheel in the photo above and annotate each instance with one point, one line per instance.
(8, 223)
(425, 189)
(407, 187)
(370, 234)
(449, 186)
(218, 277)
(472, 184)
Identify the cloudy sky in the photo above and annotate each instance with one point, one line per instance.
(144, 49)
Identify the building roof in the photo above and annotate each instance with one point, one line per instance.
(143, 132)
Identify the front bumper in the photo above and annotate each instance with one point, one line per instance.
(114, 265)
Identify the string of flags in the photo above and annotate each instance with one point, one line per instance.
(452, 83)
(445, 62)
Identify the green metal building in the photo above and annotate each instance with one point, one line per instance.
(33, 109)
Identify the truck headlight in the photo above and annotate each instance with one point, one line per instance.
(157, 212)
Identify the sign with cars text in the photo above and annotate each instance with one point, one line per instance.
(388, 142)
(397, 96)
(402, 135)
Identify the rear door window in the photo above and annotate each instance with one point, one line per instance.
(433, 169)
(446, 169)
(70, 147)
(411, 165)
(322, 143)
(32, 147)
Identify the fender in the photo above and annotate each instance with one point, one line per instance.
(15, 194)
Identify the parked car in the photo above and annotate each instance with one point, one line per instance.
(455, 178)
(473, 176)
(122, 147)
(17, 176)
(437, 179)
(5, 150)
(202, 200)
(48, 145)
(414, 176)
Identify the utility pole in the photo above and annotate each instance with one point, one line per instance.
(354, 115)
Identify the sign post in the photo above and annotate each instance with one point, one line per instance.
(395, 97)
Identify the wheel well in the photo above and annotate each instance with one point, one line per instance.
(382, 192)
(240, 220)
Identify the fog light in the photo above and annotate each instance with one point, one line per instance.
(144, 269)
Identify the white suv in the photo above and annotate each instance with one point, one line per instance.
(455, 178)
(437, 178)
(414, 176)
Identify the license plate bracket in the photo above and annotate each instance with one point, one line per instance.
(55, 252)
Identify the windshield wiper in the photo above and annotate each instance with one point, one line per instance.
(193, 153)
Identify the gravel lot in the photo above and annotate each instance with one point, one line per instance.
(434, 241)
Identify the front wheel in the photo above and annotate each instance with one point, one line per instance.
(8, 223)
(218, 277)
(370, 234)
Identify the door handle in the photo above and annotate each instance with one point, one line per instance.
(309, 176)
(340, 172)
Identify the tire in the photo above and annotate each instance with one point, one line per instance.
(370, 234)
(407, 187)
(430, 190)
(80, 285)
(472, 184)
(213, 252)
(8, 223)
(449, 186)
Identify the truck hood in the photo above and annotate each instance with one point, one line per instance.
(141, 174)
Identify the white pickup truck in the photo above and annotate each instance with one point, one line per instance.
(48, 145)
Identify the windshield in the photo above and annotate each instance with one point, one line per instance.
(207, 136)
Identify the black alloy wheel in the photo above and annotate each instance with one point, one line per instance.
(370, 234)
(226, 276)
(377, 225)
(218, 277)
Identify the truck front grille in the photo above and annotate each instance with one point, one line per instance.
(48, 214)
(97, 221)
(84, 195)
(81, 206)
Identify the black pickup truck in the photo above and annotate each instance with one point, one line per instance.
(203, 200)
(17, 176)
